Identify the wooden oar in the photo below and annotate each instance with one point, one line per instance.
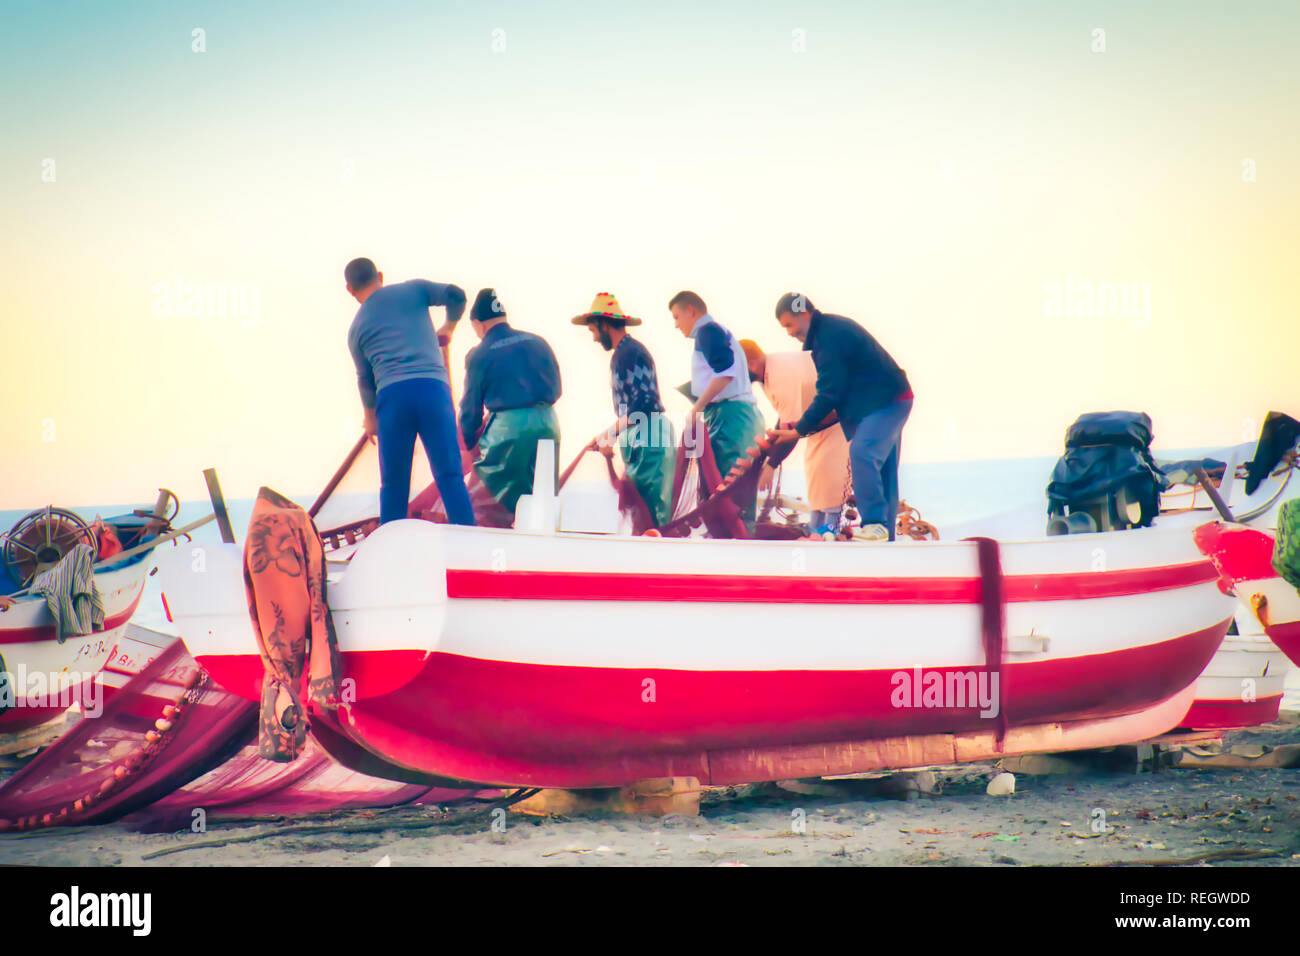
(338, 475)
(1213, 492)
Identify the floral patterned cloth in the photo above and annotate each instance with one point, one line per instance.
(284, 577)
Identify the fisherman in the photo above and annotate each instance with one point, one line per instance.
(405, 389)
(515, 376)
(724, 399)
(643, 433)
(789, 381)
(862, 387)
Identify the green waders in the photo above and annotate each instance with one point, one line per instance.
(508, 451)
(650, 452)
(734, 427)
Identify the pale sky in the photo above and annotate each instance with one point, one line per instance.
(962, 178)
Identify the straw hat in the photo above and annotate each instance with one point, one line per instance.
(605, 306)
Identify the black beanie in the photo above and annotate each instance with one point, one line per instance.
(487, 306)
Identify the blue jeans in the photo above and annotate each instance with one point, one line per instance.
(404, 409)
(874, 450)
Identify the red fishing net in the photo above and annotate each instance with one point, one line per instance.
(164, 727)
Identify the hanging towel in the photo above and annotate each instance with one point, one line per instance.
(71, 595)
(284, 577)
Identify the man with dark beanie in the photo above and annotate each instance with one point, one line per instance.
(405, 389)
(513, 375)
(862, 387)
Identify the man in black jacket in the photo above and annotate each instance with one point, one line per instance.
(860, 386)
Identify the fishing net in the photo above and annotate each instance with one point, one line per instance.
(171, 740)
(705, 498)
(167, 725)
(249, 787)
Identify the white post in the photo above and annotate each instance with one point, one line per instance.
(540, 511)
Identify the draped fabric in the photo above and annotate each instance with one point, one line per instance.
(71, 595)
(284, 577)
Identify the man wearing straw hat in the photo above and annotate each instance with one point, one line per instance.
(513, 375)
(405, 389)
(724, 400)
(644, 435)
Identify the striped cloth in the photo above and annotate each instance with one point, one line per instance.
(71, 595)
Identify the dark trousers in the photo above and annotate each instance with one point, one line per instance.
(419, 406)
(874, 450)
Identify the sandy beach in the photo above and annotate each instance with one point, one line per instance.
(1205, 816)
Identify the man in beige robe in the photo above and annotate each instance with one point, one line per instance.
(789, 381)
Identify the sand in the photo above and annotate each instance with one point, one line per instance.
(1237, 817)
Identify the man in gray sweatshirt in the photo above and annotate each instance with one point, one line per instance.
(404, 385)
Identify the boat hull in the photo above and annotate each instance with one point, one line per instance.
(47, 677)
(1243, 557)
(554, 660)
(1242, 686)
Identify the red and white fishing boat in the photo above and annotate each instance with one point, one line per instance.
(46, 675)
(494, 657)
(1243, 685)
(1244, 557)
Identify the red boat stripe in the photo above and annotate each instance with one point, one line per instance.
(46, 632)
(782, 589)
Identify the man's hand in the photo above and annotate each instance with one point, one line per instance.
(5, 603)
(445, 332)
(783, 435)
(370, 422)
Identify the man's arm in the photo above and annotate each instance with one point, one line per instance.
(452, 298)
(711, 341)
(832, 377)
(365, 384)
(710, 393)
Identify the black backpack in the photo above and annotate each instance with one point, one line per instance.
(1107, 479)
